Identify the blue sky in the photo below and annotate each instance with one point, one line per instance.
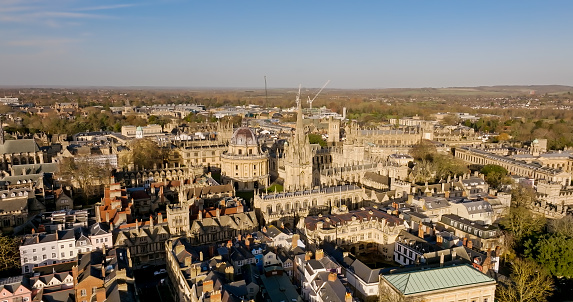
(355, 44)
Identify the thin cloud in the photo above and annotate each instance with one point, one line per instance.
(41, 42)
(65, 15)
(16, 11)
(104, 7)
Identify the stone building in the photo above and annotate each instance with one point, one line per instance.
(449, 283)
(244, 164)
(61, 246)
(362, 231)
(285, 206)
(513, 166)
(144, 240)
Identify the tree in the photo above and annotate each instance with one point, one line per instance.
(9, 253)
(522, 223)
(522, 196)
(563, 226)
(145, 154)
(554, 252)
(528, 283)
(316, 139)
(496, 176)
(424, 150)
(85, 174)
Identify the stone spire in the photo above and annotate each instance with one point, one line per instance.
(298, 157)
(1, 131)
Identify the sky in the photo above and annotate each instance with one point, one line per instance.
(235, 44)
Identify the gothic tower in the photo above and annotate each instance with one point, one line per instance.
(333, 131)
(178, 215)
(298, 157)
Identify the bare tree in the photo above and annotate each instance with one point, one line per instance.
(9, 254)
(528, 283)
(563, 226)
(84, 174)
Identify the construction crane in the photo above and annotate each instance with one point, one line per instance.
(310, 101)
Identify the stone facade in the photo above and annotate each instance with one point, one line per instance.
(287, 205)
(362, 231)
(244, 164)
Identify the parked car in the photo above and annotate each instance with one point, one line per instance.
(159, 272)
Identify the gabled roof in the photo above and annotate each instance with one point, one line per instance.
(19, 146)
(364, 272)
(436, 279)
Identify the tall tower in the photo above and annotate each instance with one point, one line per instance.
(1, 131)
(298, 157)
(333, 131)
(178, 215)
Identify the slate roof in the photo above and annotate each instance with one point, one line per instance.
(377, 178)
(364, 272)
(436, 279)
(12, 205)
(19, 146)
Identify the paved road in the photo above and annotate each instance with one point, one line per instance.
(149, 285)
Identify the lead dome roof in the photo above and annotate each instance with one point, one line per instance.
(244, 136)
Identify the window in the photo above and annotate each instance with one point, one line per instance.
(62, 246)
(63, 254)
(44, 257)
(34, 250)
(94, 290)
(71, 253)
(53, 255)
(83, 292)
(44, 248)
(70, 245)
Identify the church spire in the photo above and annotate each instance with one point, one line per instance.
(1, 131)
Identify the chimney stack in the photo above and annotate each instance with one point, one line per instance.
(348, 297)
(307, 256)
(319, 254)
(332, 277)
(207, 286)
(215, 296)
(295, 239)
(441, 259)
(420, 230)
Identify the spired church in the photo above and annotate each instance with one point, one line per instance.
(298, 164)
(316, 180)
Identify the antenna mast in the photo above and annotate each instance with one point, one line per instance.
(266, 94)
(310, 101)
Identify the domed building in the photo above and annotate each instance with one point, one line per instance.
(244, 164)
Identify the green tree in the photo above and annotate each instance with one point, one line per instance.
(528, 282)
(522, 223)
(316, 139)
(554, 252)
(496, 176)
